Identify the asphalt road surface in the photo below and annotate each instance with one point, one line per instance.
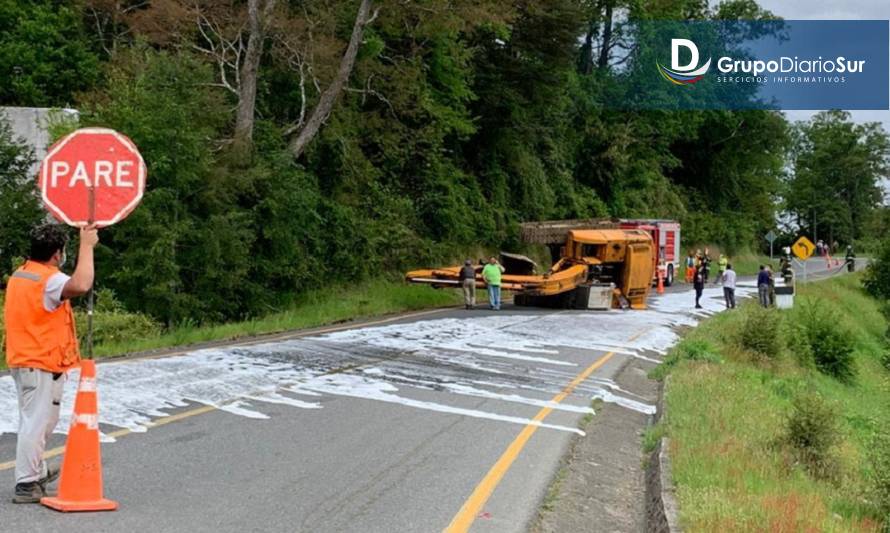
(447, 418)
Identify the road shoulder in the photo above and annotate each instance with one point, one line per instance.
(599, 484)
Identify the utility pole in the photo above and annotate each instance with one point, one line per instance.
(815, 236)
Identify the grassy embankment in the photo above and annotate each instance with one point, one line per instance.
(761, 439)
(119, 332)
(745, 262)
(748, 263)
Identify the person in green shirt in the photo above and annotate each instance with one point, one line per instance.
(721, 268)
(492, 276)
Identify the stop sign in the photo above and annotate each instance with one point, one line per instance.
(94, 175)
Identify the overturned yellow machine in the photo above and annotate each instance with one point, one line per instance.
(616, 262)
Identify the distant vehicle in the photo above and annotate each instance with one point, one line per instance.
(666, 236)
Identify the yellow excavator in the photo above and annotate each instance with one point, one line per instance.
(592, 264)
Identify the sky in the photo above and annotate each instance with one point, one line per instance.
(832, 10)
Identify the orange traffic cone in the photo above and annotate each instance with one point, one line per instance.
(660, 288)
(80, 487)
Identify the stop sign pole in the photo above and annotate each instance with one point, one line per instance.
(94, 176)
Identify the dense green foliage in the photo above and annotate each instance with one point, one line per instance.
(838, 166)
(458, 122)
(45, 53)
(19, 206)
(877, 275)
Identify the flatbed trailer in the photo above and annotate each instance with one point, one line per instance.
(623, 258)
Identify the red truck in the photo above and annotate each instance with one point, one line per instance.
(666, 236)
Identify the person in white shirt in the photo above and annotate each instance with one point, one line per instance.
(728, 279)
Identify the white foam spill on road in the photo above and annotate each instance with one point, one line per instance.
(609, 397)
(508, 360)
(467, 390)
(369, 389)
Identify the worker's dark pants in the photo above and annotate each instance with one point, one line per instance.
(698, 293)
(729, 296)
(763, 294)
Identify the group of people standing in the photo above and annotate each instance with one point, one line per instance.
(701, 262)
(491, 275)
(725, 276)
(823, 248)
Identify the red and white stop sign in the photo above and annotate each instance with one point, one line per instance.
(94, 175)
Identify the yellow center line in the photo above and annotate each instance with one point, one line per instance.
(483, 491)
(122, 432)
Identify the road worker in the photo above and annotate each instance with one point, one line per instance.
(690, 267)
(492, 276)
(705, 265)
(41, 346)
(722, 265)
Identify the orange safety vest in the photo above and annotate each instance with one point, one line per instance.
(35, 337)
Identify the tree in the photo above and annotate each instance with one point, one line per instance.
(325, 104)
(837, 168)
(19, 207)
(258, 24)
(45, 57)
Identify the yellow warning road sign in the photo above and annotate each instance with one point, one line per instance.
(803, 248)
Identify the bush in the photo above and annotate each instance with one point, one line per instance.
(112, 323)
(811, 432)
(877, 275)
(825, 341)
(760, 333)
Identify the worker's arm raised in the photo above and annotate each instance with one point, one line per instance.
(82, 280)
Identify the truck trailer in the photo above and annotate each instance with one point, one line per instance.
(620, 260)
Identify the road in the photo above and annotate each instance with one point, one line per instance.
(450, 417)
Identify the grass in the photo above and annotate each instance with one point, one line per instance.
(748, 263)
(727, 417)
(316, 308)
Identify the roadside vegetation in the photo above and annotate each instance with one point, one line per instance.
(778, 420)
(747, 263)
(119, 332)
(445, 128)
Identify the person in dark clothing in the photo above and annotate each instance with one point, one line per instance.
(467, 280)
(772, 286)
(698, 283)
(763, 284)
(706, 265)
(850, 258)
